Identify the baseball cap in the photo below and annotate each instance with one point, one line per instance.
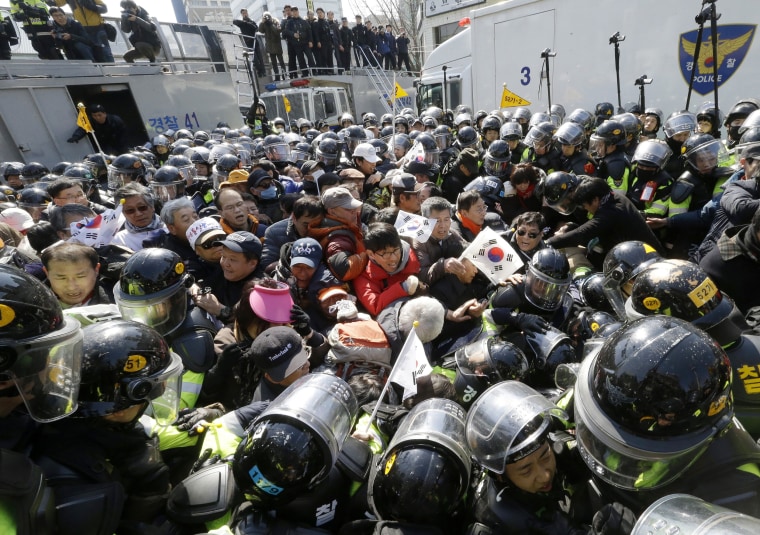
(256, 177)
(279, 352)
(18, 218)
(339, 197)
(366, 151)
(204, 230)
(243, 242)
(419, 168)
(404, 182)
(271, 302)
(332, 291)
(306, 251)
(95, 108)
(236, 176)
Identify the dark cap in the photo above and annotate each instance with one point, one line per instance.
(403, 183)
(279, 352)
(243, 242)
(421, 168)
(256, 177)
(97, 108)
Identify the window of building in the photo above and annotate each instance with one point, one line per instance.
(444, 32)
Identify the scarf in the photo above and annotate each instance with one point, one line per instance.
(527, 193)
(156, 224)
(469, 224)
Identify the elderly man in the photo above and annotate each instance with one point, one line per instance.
(239, 261)
(340, 234)
(235, 215)
(177, 215)
(142, 223)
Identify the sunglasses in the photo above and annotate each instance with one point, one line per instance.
(531, 235)
(130, 211)
(213, 244)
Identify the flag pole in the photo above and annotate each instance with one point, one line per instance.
(390, 376)
(84, 123)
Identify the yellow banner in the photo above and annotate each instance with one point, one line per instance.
(399, 92)
(509, 99)
(287, 104)
(82, 120)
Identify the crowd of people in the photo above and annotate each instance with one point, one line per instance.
(319, 44)
(81, 33)
(206, 334)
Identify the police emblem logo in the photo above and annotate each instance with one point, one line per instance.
(734, 41)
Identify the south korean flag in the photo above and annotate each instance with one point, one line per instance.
(414, 226)
(492, 255)
(99, 230)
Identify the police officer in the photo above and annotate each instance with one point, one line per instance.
(528, 483)
(297, 31)
(40, 361)
(33, 15)
(607, 146)
(683, 290)
(654, 416)
(127, 368)
(153, 289)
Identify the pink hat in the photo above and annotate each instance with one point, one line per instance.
(272, 304)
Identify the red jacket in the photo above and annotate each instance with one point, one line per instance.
(376, 288)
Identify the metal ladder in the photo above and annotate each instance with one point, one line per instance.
(380, 81)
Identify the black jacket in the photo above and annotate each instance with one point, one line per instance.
(142, 29)
(111, 134)
(615, 221)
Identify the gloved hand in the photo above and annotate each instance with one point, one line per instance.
(299, 319)
(530, 323)
(613, 519)
(189, 419)
(72, 140)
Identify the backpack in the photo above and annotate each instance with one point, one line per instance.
(361, 340)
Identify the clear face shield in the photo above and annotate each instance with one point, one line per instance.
(279, 152)
(167, 192)
(497, 168)
(623, 459)
(616, 289)
(498, 423)
(431, 157)
(118, 178)
(162, 392)
(474, 360)
(544, 291)
(708, 156)
(324, 403)
(46, 371)
(597, 147)
(164, 312)
(443, 141)
(188, 173)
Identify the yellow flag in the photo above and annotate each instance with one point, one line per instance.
(399, 92)
(287, 104)
(82, 120)
(509, 99)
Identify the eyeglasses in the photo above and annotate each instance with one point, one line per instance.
(132, 211)
(392, 252)
(531, 235)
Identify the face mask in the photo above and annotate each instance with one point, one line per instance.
(269, 193)
(646, 174)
